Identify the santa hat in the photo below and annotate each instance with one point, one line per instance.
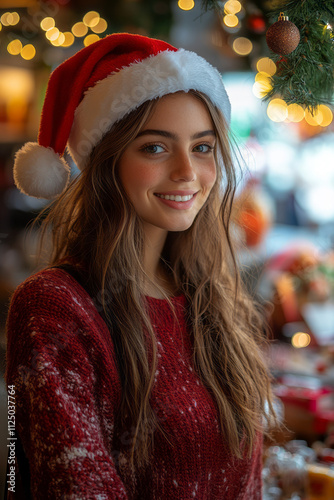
(95, 88)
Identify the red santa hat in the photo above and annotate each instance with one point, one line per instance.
(95, 88)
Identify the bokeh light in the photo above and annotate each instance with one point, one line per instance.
(295, 113)
(242, 46)
(300, 340)
(101, 26)
(91, 19)
(277, 110)
(231, 21)
(266, 65)
(232, 7)
(89, 39)
(186, 4)
(47, 23)
(68, 39)
(327, 115)
(79, 29)
(14, 47)
(52, 34)
(28, 52)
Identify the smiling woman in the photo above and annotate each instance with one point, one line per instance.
(169, 169)
(136, 354)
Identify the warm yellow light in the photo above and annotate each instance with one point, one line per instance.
(100, 27)
(0, 26)
(266, 65)
(242, 46)
(16, 110)
(313, 119)
(15, 18)
(16, 83)
(91, 18)
(231, 20)
(232, 7)
(28, 52)
(79, 29)
(59, 40)
(327, 115)
(7, 19)
(186, 4)
(14, 47)
(300, 339)
(262, 77)
(52, 34)
(90, 39)
(261, 88)
(295, 113)
(47, 23)
(277, 110)
(68, 39)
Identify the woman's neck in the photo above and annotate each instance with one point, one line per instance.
(159, 280)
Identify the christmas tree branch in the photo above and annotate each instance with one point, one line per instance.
(306, 76)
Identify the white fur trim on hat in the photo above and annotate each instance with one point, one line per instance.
(40, 172)
(115, 96)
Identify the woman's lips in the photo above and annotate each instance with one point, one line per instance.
(177, 201)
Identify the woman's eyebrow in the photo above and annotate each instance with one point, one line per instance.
(171, 135)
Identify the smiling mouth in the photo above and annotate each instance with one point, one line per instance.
(175, 198)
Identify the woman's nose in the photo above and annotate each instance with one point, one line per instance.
(183, 169)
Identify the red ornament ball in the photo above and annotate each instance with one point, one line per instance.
(283, 36)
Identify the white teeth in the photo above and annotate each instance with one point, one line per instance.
(175, 198)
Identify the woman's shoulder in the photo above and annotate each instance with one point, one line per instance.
(50, 287)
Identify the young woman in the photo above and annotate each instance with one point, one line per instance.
(136, 356)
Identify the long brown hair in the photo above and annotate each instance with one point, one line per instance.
(94, 225)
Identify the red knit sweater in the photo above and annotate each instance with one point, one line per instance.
(60, 359)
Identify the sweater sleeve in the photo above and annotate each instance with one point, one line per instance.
(60, 362)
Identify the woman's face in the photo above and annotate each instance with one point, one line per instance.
(169, 168)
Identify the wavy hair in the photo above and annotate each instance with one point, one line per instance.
(94, 225)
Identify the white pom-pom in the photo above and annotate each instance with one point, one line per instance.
(40, 172)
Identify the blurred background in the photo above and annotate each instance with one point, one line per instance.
(284, 217)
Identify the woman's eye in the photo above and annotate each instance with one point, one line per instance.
(152, 148)
(203, 148)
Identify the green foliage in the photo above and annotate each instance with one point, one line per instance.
(306, 76)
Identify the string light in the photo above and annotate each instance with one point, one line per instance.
(313, 119)
(15, 18)
(100, 27)
(232, 7)
(14, 47)
(47, 23)
(91, 19)
(327, 115)
(28, 52)
(89, 39)
(6, 18)
(262, 85)
(68, 39)
(59, 40)
(79, 29)
(231, 20)
(300, 340)
(186, 4)
(242, 46)
(266, 65)
(277, 110)
(52, 34)
(295, 113)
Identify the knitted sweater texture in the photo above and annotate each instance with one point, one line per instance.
(60, 357)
